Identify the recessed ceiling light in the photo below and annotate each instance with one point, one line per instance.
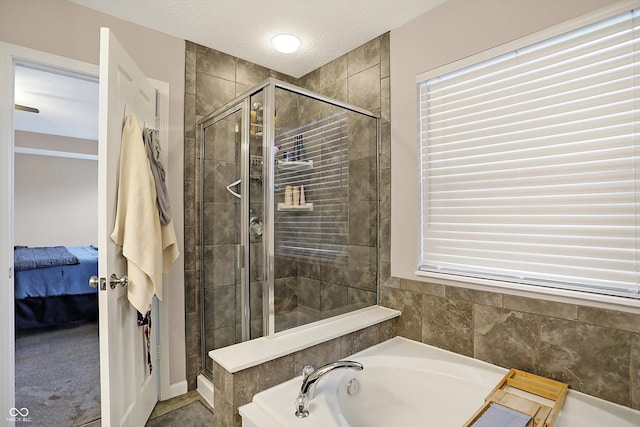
(286, 43)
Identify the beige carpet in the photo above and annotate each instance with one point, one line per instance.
(58, 376)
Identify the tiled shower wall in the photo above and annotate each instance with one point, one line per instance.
(213, 78)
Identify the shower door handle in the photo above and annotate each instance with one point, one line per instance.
(233, 184)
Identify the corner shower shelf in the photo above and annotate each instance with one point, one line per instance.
(300, 165)
(308, 207)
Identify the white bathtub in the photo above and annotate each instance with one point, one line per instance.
(406, 383)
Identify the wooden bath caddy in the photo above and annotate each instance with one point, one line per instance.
(521, 392)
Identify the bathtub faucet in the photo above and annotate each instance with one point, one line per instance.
(310, 379)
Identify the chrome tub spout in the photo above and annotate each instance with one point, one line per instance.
(311, 377)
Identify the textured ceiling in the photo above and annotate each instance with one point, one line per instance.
(244, 28)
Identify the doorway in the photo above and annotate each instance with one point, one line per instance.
(57, 373)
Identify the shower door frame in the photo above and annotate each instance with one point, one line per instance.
(242, 252)
(243, 103)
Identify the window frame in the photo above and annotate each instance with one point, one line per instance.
(512, 288)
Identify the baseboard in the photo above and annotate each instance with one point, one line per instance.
(205, 388)
(176, 389)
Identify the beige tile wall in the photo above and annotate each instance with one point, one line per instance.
(595, 351)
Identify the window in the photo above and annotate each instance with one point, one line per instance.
(530, 164)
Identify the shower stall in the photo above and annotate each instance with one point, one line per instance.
(289, 213)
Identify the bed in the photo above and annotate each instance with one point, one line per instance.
(52, 285)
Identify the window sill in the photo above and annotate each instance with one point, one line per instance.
(551, 294)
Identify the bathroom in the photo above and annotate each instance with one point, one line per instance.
(501, 328)
(462, 319)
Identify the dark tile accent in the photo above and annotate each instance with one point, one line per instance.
(364, 88)
(506, 338)
(363, 220)
(250, 381)
(364, 57)
(589, 358)
(385, 193)
(317, 356)
(362, 179)
(385, 103)
(332, 296)
(385, 146)
(190, 73)
(385, 52)
(190, 117)
(285, 297)
(335, 72)
(474, 295)
(635, 372)
(361, 137)
(448, 324)
(211, 93)
(384, 236)
(360, 298)
(542, 307)
(215, 63)
(309, 292)
(610, 318)
(422, 287)
(410, 304)
(250, 74)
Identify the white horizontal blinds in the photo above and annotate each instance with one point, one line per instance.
(320, 230)
(529, 164)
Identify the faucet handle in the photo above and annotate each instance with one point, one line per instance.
(307, 370)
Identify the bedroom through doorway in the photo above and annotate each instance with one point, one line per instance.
(57, 371)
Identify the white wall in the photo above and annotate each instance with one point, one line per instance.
(55, 198)
(66, 29)
(452, 31)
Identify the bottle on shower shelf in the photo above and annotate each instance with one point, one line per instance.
(288, 196)
(298, 149)
(303, 199)
(295, 196)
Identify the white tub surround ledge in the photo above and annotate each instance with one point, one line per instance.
(251, 353)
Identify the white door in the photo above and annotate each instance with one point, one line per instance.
(128, 391)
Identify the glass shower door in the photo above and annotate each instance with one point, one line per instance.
(221, 227)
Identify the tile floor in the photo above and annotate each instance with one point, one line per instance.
(188, 410)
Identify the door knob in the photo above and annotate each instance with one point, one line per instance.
(114, 281)
(94, 281)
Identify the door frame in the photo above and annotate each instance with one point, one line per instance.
(10, 56)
